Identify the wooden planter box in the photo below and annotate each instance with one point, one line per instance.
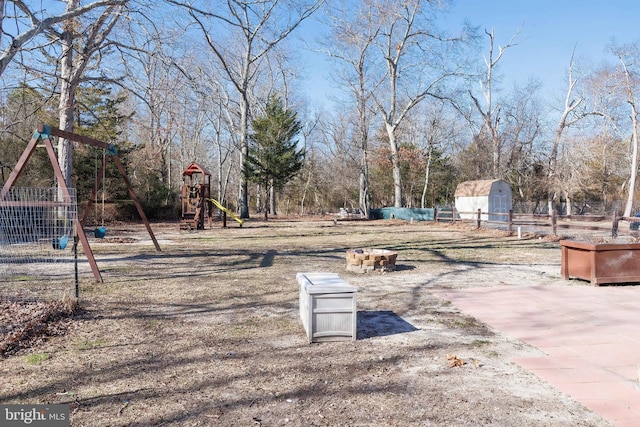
(601, 263)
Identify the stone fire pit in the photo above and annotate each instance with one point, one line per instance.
(365, 260)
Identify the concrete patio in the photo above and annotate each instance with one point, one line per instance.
(590, 335)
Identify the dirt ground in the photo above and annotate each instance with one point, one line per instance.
(207, 332)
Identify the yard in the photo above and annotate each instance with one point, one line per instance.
(207, 332)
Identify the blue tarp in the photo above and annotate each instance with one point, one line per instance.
(403, 213)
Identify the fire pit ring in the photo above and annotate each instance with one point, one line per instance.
(367, 259)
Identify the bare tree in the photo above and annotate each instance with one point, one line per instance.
(418, 60)
(435, 130)
(224, 126)
(240, 37)
(522, 132)
(341, 158)
(80, 45)
(572, 113)
(354, 35)
(602, 167)
(491, 110)
(31, 24)
(156, 84)
(628, 56)
(307, 171)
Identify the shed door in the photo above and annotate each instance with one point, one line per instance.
(499, 206)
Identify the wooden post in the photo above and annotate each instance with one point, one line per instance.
(614, 224)
(554, 222)
(133, 196)
(479, 217)
(510, 222)
(65, 191)
(24, 158)
(224, 219)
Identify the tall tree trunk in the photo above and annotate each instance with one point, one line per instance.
(497, 150)
(243, 196)
(634, 137)
(305, 189)
(68, 88)
(364, 194)
(426, 177)
(634, 162)
(395, 166)
(219, 180)
(364, 199)
(260, 202)
(272, 201)
(265, 208)
(1, 18)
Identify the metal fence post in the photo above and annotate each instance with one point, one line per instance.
(479, 216)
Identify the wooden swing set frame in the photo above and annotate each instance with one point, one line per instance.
(43, 134)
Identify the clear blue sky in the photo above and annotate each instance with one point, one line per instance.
(550, 30)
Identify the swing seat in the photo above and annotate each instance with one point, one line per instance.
(60, 243)
(100, 232)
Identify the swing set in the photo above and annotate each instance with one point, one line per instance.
(43, 134)
(100, 231)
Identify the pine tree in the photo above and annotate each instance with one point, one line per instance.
(25, 108)
(274, 157)
(98, 115)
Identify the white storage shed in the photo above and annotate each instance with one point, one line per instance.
(490, 196)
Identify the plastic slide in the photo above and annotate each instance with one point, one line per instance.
(227, 211)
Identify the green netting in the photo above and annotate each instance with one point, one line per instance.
(408, 214)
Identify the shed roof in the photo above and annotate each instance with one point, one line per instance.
(475, 188)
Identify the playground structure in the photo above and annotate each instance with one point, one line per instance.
(226, 212)
(196, 200)
(43, 135)
(196, 192)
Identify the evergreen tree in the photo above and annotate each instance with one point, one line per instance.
(274, 157)
(98, 116)
(24, 109)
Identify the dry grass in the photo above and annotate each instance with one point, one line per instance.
(207, 332)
